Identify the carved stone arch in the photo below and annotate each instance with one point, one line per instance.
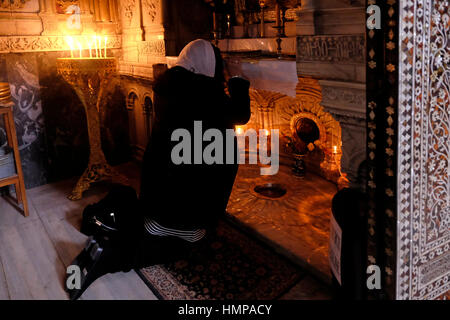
(288, 108)
(357, 158)
(306, 104)
(147, 110)
(263, 97)
(262, 104)
(147, 103)
(315, 119)
(132, 97)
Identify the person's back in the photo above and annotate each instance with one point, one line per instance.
(190, 195)
(180, 203)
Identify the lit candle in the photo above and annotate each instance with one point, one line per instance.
(81, 48)
(100, 46)
(239, 130)
(96, 46)
(334, 149)
(69, 41)
(106, 39)
(90, 49)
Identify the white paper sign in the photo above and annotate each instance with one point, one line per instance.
(334, 251)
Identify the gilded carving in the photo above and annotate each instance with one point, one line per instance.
(271, 110)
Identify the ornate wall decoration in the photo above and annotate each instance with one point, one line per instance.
(128, 10)
(13, 4)
(152, 47)
(307, 101)
(344, 98)
(43, 43)
(353, 146)
(29, 119)
(423, 257)
(151, 7)
(382, 93)
(62, 5)
(346, 101)
(348, 48)
(350, 98)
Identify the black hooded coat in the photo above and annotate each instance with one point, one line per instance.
(190, 196)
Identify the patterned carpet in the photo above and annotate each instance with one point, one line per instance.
(230, 266)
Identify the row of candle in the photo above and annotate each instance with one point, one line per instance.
(240, 131)
(97, 46)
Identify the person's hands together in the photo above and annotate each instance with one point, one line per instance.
(238, 86)
(233, 68)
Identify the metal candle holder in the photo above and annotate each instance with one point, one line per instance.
(279, 27)
(88, 77)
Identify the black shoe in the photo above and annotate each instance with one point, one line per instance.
(92, 263)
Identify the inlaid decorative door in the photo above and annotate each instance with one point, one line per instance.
(423, 185)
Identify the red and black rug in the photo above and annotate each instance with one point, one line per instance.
(231, 266)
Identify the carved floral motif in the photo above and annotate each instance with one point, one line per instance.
(128, 10)
(151, 8)
(13, 4)
(62, 5)
(43, 43)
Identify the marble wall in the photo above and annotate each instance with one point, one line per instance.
(22, 74)
(154, 29)
(331, 49)
(49, 118)
(51, 123)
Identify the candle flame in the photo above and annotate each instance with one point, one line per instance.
(334, 149)
(106, 40)
(81, 49)
(99, 39)
(94, 38)
(90, 48)
(69, 41)
(97, 45)
(239, 130)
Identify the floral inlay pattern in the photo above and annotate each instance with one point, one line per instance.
(424, 151)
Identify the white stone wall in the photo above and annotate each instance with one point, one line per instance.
(331, 48)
